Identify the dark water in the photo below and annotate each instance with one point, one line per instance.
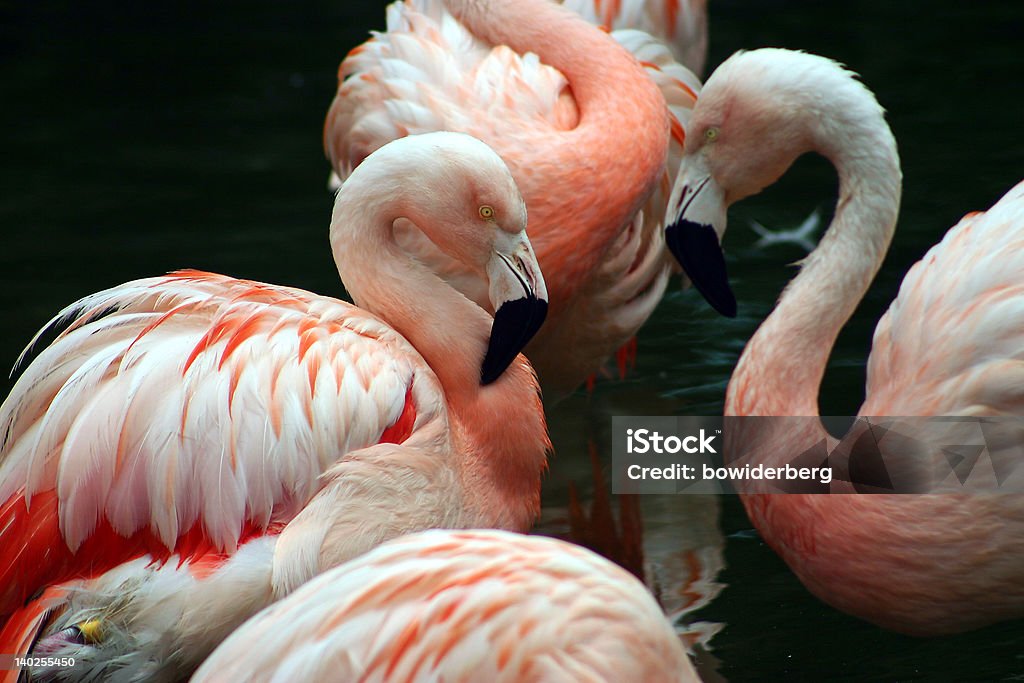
(145, 138)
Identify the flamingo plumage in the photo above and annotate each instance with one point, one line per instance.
(461, 606)
(195, 413)
(582, 123)
(951, 344)
(682, 25)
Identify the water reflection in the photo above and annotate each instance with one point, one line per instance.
(672, 543)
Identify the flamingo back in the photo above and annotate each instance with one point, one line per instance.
(460, 606)
(681, 24)
(952, 343)
(427, 72)
(185, 414)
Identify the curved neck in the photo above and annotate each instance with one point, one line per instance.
(619, 145)
(447, 329)
(781, 368)
(500, 427)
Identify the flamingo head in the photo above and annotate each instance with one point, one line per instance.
(89, 626)
(476, 215)
(756, 114)
(77, 641)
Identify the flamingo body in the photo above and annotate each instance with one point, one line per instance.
(196, 415)
(950, 345)
(462, 606)
(266, 370)
(110, 434)
(597, 199)
(954, 331)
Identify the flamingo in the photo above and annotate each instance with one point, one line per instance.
(194, 414)
(681, 24)
(584, 128)
(460, 606)
(950, 344)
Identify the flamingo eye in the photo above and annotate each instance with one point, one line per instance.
(486, 212)
(711, 134)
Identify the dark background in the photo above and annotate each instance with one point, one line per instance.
(141, 138)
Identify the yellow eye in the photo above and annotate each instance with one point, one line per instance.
(711, 134)
(486, 212)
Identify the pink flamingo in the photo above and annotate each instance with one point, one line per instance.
(584, 128)
(461, 606)
(681, 24)
(951, 344)
(194, 413)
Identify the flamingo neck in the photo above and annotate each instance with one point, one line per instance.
(498, 430)
(504, 433)
(618, 148)
(781, 369)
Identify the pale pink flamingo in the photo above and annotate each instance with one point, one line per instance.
(460, 606)
(681, 24)
(952, 343)
(194, 413)
(582, 124)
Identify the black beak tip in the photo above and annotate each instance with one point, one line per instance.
(491, 370)
(515, 324)
(696, 247)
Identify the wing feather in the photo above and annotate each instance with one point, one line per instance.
(951, 342)
(427, 73)
(474, 605)
(681, 24)
(191, 404)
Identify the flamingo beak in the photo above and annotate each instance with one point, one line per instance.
(520, 300)
(693, 235)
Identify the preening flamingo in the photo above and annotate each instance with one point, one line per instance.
(681, 24)
(193, 413)
(952, 343)
(460, 606)
(583, 126)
